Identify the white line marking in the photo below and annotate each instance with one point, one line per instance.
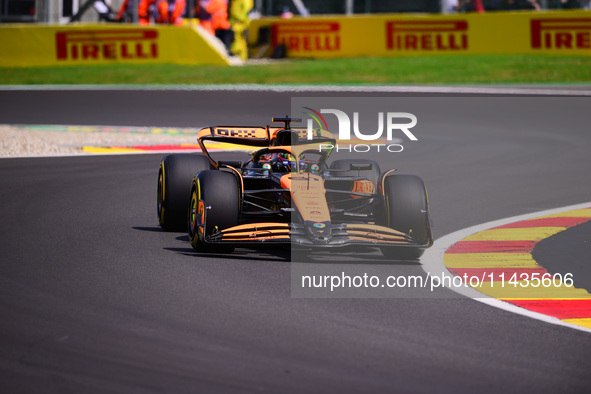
(432, 261)
(87, 154)
(544, 90)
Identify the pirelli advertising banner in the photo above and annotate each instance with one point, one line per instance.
(32, 45)
(555, 33)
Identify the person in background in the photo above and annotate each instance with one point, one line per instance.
(472, 6)
(103, 8)
(453, 6)
(522, 5)
(213, 17)
(212, 14)
(570, 4)
(286, 13)
(170, 12)
(240, 21)
(125, 13)
(145, 8)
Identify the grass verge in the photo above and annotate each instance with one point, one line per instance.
(406, 70)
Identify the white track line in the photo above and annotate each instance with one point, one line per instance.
(536, 90)
(87, 154)
(432, 262)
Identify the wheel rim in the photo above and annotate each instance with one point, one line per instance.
(193, 212)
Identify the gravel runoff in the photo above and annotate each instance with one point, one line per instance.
(17, 141)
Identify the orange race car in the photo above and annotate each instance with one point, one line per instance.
(286, 192)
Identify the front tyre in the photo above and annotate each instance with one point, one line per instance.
(407, 210)
(174, 184)
(214, 206)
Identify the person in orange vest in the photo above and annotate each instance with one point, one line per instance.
(170, 11)
(124, 14)
(213, 17)
(144, 10)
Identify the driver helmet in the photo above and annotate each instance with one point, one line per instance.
(287, 160)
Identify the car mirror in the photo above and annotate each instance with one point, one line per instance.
(231, 163)
(361, 166)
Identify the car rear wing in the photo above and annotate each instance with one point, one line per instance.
(257, 136)
(252, 136)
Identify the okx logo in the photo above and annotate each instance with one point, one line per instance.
(391, 126)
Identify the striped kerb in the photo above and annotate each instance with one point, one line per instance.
(506, 251)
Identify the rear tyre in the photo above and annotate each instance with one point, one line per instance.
(406, 210)
(174, 185)
(220, 195)
(345, 164)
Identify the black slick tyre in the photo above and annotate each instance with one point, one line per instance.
(406, 209)
(174, 185)
(214, 206)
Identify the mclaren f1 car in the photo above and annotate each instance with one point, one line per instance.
(287, 192)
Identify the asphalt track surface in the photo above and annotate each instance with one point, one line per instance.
(95, 298)
(567, 252)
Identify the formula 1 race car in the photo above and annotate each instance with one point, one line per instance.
(286, 192)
